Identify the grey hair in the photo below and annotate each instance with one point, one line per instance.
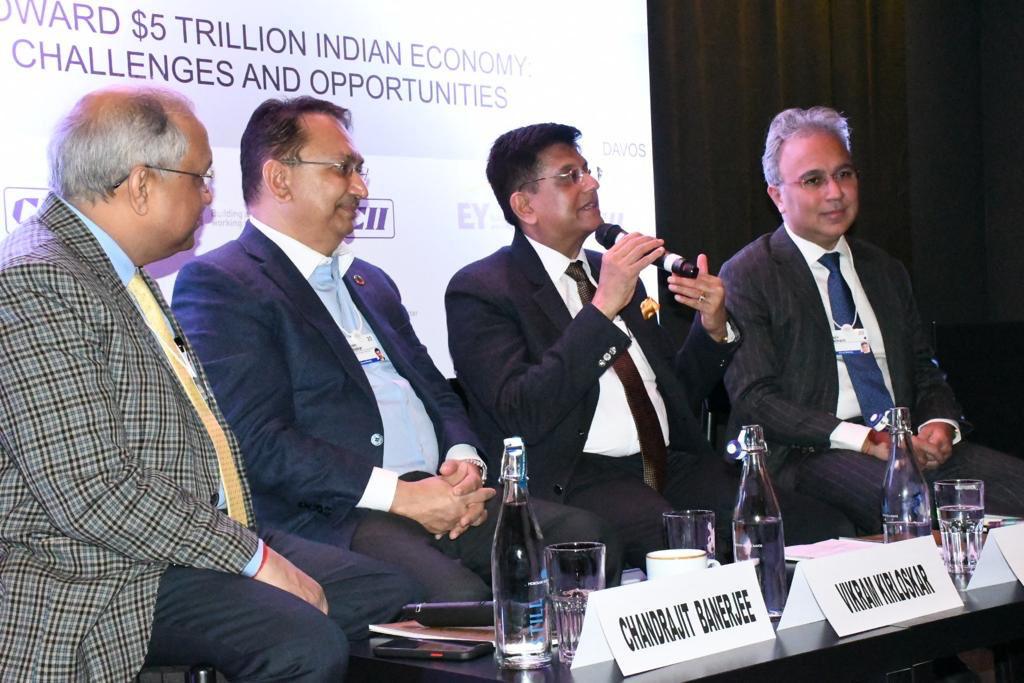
(110, 131)
(797, 122)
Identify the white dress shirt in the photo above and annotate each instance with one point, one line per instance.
(612, 431)
(848, 435)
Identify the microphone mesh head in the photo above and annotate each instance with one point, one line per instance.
(606, 234)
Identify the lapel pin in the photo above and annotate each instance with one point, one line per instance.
(358, 279)
(649, 307)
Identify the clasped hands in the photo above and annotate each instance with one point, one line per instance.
(448, 503)
(621, 266)
(933, 445)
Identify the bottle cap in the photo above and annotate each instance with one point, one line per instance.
(751, 438)
(897, 418)
(514, 441)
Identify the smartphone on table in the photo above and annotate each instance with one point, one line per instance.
(432, 649)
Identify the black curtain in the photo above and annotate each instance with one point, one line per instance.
(934, 90)
(935, 95)
(720, 70)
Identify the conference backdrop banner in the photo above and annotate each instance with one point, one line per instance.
(430, 86)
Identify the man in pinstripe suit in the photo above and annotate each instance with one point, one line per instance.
(113, 549)
(815, 371)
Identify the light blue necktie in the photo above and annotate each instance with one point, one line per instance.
(868, 384)
(326, 278)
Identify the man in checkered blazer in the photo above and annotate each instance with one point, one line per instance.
(114, 547)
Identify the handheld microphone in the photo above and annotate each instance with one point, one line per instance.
(442, 614)
(608, 234)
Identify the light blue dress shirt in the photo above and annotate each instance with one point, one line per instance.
(411, 442)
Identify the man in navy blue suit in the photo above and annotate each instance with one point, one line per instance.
(351, 434)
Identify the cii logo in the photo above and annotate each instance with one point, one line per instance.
(375, 219)
(21, 203)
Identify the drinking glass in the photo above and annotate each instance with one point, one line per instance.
(961, 507)
(574, 571)
(690, 529)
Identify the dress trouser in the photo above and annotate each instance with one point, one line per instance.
(251, 631)
(852, 481)
(460, 570)
(614, 489)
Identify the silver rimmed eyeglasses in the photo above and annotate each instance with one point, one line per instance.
(206, 178)
(573, 175)
(344, 168)
(817, 181)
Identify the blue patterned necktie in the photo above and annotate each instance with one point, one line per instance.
(868, 384)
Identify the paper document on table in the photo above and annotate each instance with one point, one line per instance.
(414, 629)
(995, 521)
(832, 546)
(1002, 558)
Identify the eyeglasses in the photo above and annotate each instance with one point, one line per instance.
(817, 181)
(574, 175)
(206, 178)
(344, 168)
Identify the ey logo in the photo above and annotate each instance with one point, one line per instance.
(21, 203)
(375, 219)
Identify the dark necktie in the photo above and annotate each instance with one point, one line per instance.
(652, 439)
(872, 394)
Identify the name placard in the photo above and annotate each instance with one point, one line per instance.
(1002, 558)
(869, 588)
(652, 624)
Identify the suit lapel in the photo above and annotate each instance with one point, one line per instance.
(543, 290)
(279, 270)
(364, 295)
(796, 277)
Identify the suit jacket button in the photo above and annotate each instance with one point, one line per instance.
(558, 490)
(214, 498)
(602, 363)
(377, 439)
(581, 433)
(613, 350)
(607, 356)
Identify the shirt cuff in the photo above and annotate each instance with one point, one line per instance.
(952, 423)
(463, 451)
(250, 569)
(379, 493)
(849, 436)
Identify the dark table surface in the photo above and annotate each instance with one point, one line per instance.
(991, 616)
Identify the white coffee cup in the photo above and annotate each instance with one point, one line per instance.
(675, 561)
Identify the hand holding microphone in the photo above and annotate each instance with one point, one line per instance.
(608, 234)
(620, 268)
(691, 283)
